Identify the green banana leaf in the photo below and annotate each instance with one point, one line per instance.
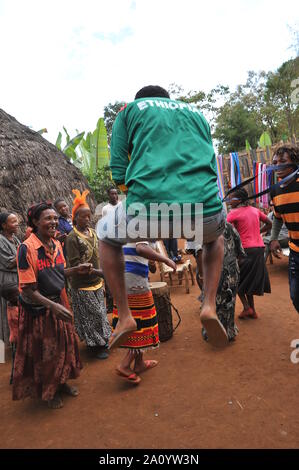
(58, 141)
(87, 160)
(265, 140)
(67, 135)
(94, 150)
(102, 145)
(71, 153)
(73, 143)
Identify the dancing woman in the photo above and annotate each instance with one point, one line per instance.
(254, 278)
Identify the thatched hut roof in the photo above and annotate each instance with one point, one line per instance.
(32, 169)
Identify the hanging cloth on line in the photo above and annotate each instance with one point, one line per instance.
(261, 182)
(220, 181)
(260, 179)
(235, 172)
(273, 168)
(264, 198)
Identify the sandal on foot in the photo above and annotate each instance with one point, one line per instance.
(252, 314)
(245, 313)
(132, 378)
(217, 335)
(149, 364)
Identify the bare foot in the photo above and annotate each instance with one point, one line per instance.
(122, 331)
(128, 324)
(207, 312)
(217, 335)
(68, 390)
(56, 402)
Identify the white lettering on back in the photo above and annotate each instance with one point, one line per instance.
(142, 105)
(160, 104)
(173, 105)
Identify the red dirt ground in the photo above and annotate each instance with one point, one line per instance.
(245, 396)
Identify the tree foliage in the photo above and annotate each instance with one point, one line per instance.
(110, 113)
(101, 182)
(266, 102)
(279, 91)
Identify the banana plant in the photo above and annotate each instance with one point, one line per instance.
(70, 148)
(248, 146)
(265, 140)
(94, 150)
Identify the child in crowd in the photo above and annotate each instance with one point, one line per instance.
(142, 306)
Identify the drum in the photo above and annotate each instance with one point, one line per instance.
(160, 291)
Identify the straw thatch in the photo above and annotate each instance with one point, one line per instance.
(32, 169)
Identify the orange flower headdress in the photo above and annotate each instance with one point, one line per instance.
(79, 201)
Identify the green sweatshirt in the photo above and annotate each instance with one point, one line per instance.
(162, 151)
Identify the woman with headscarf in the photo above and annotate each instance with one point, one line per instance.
(87, 292)
(47, 353)
(9, 225)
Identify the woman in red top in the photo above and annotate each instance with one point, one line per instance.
(47, 349)
(254, 278)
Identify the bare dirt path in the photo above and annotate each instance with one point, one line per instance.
(243, 397)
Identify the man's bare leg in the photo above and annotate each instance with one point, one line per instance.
(112, 262)
(212, 261)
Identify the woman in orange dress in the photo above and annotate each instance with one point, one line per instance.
(47, 350)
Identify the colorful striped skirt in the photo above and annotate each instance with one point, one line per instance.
(144, 312)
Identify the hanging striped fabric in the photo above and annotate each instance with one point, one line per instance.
(235, 172)
(260, 166)
(232, 171)
(237, 166)
(220, 181)
(265, 202)
(262, 182)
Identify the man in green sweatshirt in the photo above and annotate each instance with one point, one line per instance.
(162, 154)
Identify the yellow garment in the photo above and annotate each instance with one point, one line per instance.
(98, 286)
(91, 246)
